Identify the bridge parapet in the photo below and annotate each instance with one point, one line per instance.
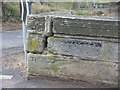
(68, 46)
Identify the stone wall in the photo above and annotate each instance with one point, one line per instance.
(80, 48)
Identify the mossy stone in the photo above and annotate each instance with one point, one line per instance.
(35, 43)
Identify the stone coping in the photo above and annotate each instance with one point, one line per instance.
(71, 15)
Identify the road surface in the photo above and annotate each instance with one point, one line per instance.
(12, 42)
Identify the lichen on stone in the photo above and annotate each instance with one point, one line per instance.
(35, 43)
(54, 68)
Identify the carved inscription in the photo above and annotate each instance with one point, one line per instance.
(83, 43)
(33, 58)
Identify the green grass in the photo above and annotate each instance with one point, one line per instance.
(37, 8)
(99, 13)
(65, 5)
(85, 13)
(53, 9)
(11, 12)
(103, 1)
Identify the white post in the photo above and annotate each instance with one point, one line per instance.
(94, 3)
(22, 10)
(24, 25)
(27, 6)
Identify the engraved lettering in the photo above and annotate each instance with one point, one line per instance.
(83, 43)
(33, 58)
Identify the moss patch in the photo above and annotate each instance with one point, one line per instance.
(54, 68)
(35, 43)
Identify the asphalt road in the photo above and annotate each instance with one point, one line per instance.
(12, 42)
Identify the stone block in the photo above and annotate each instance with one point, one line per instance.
(35, 43)
(73, 68)
(40, 24)
(91, 49)
(86, 26)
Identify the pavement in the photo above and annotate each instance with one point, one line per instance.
(12, 42)
(14, 71)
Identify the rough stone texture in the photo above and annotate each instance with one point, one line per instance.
(87, 38)
(36, 23)
(81, 48)
(40, 24)
(58, 13)
(48, 26)
(86, 26)
(73, 67)
(86, 49)
(35, 43)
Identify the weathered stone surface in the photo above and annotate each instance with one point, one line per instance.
(86, 49)
(58, 13)
(73, 67)
(85, 26)
(89, 47)
(35, 43)
(87, 38)
(36, 23)
(40, 24)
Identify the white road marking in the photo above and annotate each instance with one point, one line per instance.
(6, 76)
